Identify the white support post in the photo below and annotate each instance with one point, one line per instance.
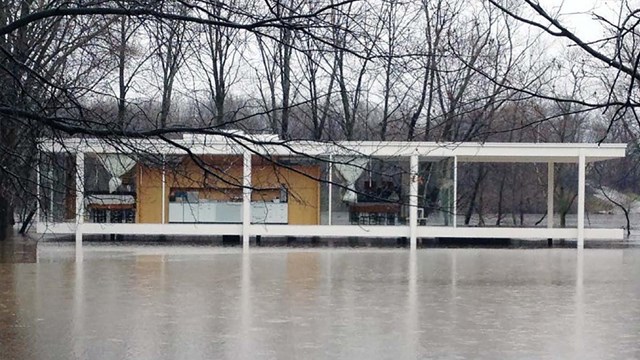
(37, 222)
(246, 200)
(581, 198)
(455, 191)
(330, 188)
(413, 201)
(550, 190)
(79, 203)
(51, 183)
(164, 191)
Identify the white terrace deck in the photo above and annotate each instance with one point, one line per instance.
(248, 146)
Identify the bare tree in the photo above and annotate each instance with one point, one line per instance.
(317, 63)
(122, 46)
(52, 61)
(399, 18)
(437, 18)
(36, 74)
(614, 56)
(171, 41)
(276, 52)
(351, 70)
(219, 63)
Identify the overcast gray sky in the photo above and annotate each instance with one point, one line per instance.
(578, 15)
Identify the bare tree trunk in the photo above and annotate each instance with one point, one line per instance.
(318, 112)
(391, 40)
(500, 198)
(269, 99)
(344, 94)
(565, 206)
(122, 63)
(474, 194)
(327, 104)
(121, 39)
(7, 141)
(219, 47)
(521, 207)
(416, 114)
(480, 207)
(434, 27)
(6, 218)
(285, 80)
(622, 207)
(170, 52)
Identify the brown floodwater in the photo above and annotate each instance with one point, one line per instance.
(190, 302)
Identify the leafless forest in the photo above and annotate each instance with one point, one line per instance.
(418, 70)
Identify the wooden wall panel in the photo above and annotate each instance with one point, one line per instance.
(149, 195)
(304, 193)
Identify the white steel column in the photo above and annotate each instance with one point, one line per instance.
(246, 200)
(79, 203)
(550, 190)
(581, 196)
(50, 218)
(413, 201)
(164, 191)
(330, 187)
(38, 192)
(455, 191)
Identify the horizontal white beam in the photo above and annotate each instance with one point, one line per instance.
(332, 231)
(466, 152)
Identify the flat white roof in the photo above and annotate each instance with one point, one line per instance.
(269, 145)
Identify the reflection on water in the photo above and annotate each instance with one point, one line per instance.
(356, 304)
(18, 251)
(579, 305)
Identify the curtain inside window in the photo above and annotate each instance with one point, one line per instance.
(350, 169)
(116, 165)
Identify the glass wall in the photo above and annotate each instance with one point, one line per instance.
(110, 188)
(57, 187)
(293, 190)
(436, 192)
(370, 191)
(326, 190)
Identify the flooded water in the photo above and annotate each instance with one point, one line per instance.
(215, 303)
